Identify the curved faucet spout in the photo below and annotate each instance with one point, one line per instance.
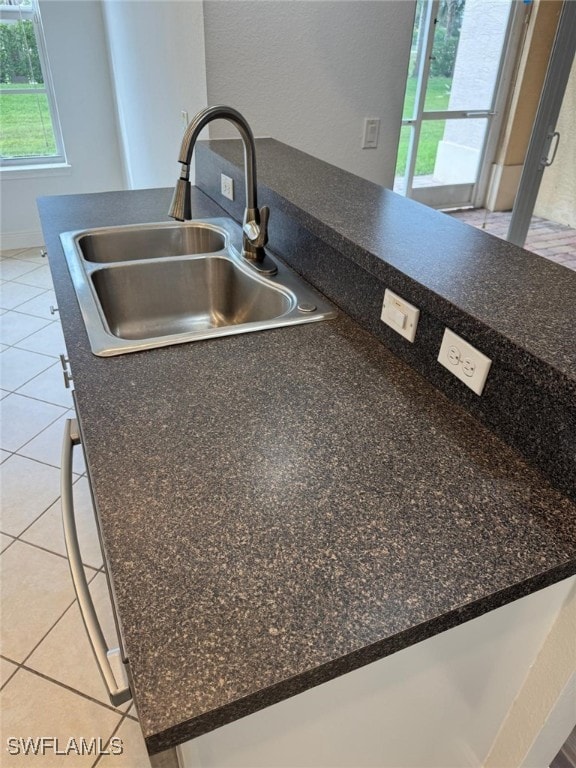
(255, 224)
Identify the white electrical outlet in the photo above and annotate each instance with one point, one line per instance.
(464, 361)
(400, 315)
(227, 186)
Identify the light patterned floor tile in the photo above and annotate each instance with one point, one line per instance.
(14, 326)
(40, 306)
(65, 654)
(13, 269)
(17, 366)
(47, 446)
(41, 277)
(48, 341)
(134, 753)
(13, 294)
(5, 541)
(36, 590)
(35, 707)
(7, 669)
(32, 254)
(28, 490)
(49, 386)
(8, 253)
(47, 530)
(22, 419)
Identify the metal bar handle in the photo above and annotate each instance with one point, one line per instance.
(118, 695)
(547, 161)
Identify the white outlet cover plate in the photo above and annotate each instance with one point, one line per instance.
(464, 361)
(400, 315)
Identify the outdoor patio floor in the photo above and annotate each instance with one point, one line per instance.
(556, 242)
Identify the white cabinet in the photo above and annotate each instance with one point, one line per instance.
(437, 704)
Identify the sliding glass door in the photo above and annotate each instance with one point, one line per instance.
(452, 97)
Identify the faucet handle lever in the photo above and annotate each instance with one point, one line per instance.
(264, 216)
(257, 232)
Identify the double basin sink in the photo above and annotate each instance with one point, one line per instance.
(152, 285)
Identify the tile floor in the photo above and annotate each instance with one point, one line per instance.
(50, 685)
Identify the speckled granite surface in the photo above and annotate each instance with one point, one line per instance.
(282, 507)
(353, 239)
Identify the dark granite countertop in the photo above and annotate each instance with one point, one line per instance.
(521, 305)
(282, 507)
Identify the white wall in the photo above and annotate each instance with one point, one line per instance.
(307, 73)
(76, 46)
(546, 704)
(157, 57)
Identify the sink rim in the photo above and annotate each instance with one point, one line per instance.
(104, 343)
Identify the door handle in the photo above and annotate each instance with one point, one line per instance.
(547, 161)
(103, 655)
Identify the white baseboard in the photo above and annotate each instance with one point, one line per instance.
(29, 239)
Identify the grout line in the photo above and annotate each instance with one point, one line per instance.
(45, 549)
(109, 707)
(45, 635)
(38, 399)
(44, 354)
(21, 278)
(9, 544)
(17, 538)
(64, 409)
(13, 391)
(20, 251)
(31, 397)
(114, 732)
(46, 324)
(11, 675)
(15, 453)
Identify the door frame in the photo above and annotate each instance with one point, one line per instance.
(544, 128)
(470, 194)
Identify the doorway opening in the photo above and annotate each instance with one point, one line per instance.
(456, 82)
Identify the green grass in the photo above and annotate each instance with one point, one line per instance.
(19, 86)
(437, 96)
(26, 126)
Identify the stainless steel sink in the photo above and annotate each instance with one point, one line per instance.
(135, 243)
(152, 285)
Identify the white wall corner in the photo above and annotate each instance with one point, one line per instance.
(544, 711)
(503, 186)
(154, 84)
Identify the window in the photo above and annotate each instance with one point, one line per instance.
(30, 132)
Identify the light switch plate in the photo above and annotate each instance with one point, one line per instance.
(400, 315)
(464, 361)
(371, 131)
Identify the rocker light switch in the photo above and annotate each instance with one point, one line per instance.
(400, 315)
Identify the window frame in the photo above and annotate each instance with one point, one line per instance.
(58, 158)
